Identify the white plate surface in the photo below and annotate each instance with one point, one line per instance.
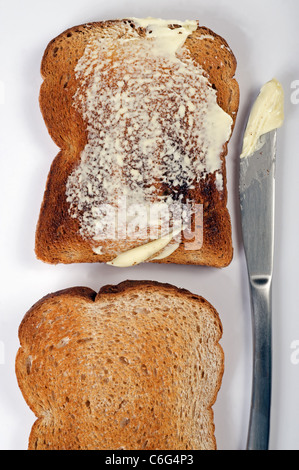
(264, 37)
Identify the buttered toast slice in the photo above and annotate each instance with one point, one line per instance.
(142, 111)
(137, 366)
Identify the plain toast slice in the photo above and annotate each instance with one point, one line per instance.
(136, 366)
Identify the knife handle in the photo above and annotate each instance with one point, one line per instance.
(259, 425)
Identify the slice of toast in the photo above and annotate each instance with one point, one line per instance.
(136, 366)
(143, 112)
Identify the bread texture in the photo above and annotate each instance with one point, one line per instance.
(137, 366)
(59, 237)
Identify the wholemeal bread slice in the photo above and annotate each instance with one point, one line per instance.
(136, 366)
(139, 114)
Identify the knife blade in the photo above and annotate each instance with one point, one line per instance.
(257, 203)
(257, 188)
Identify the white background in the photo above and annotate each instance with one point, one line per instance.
(264, 38)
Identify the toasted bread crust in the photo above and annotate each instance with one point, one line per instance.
(67, 350)
(57, 235)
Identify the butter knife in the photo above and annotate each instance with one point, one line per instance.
(257, 202)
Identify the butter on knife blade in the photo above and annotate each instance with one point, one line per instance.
(267, 114)
(257, 203)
